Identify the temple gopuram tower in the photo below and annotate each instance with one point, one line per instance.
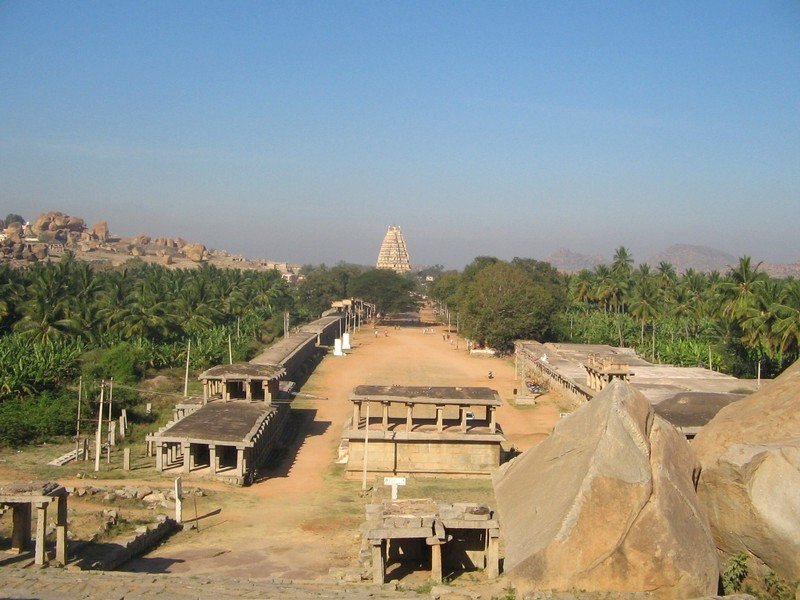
(394, 254)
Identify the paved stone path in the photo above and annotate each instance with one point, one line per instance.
(60, 584)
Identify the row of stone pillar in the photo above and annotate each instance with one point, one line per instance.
(21, 529)
(380, 556)
(221, 387)
(168, 453)
(490, 417)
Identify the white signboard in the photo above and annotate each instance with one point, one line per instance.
(394, 482)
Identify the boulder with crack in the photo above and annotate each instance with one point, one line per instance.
(607, 503)
(750, 482)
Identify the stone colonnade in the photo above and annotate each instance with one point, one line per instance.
(22, 506)
(410, 423)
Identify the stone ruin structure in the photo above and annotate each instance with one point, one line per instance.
(607, 503)
(426, 431)
(21, 499)
(231, 431)
(602, 370)
(444, 537)
(393, 253)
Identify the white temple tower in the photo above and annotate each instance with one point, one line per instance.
(394, 254)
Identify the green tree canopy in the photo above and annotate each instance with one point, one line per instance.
(389, 291)
(503, 303)
(13, 218)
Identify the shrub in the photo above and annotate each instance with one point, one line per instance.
(40, 418)
(734, 573)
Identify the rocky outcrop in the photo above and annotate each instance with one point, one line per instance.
(56, 221)
(100, 231)
(194, 252)
(140, 240)
(750, 482)
(607, 503)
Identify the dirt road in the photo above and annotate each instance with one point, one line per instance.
(303, 518)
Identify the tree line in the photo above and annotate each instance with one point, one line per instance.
(60, 320)
(733, 321)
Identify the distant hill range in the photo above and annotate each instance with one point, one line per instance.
(567, 261)
(702, 259)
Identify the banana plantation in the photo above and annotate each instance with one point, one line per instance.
(63, 320)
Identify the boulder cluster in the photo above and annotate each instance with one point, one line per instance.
(53, 232)
(617, 501)
(14, 246)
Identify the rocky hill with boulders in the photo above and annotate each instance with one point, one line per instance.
(567, 261)
(54, 233)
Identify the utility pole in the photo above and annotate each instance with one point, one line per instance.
(366, 443)
(186, 376)
(78, 425)
(110, 402)
(98, 440)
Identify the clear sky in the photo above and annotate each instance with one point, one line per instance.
(300, 130)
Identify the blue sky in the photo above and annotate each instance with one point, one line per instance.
(300, 130)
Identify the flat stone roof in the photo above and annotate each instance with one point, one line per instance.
(657, 382)
(694, 409)
(281, 350)
(219, 421)
(474, 396)
(30, 491)
(321, 324)
(244, 371)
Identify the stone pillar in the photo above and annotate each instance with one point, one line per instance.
(121, 427)
(205, 391)
(212, 459)
(385, 416)
(379, 562)
(492, 420)
(248, 390)
(21, 528)
(240, 462)
(439, 417)
(61, 530)
(187, 458)
(356, 415)
(41, 528)
(226, 390)
(273, 389)
(436, 563)
(409, 416)
(492, 554)
(159, 456)
(126, 459)
(463, 414)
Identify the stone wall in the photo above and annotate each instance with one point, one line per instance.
(435, 458)
(145, 538)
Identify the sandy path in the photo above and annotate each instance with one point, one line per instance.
(283, 526)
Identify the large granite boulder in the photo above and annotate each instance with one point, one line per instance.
(195, 252)
(100, 231)
(55, 221)
(750, 482)
(607, 503)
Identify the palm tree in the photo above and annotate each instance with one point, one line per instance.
(644, 304)
(622, 264)
(741, 288)
(787, 318)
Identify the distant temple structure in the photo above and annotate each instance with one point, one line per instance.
(394, 254)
